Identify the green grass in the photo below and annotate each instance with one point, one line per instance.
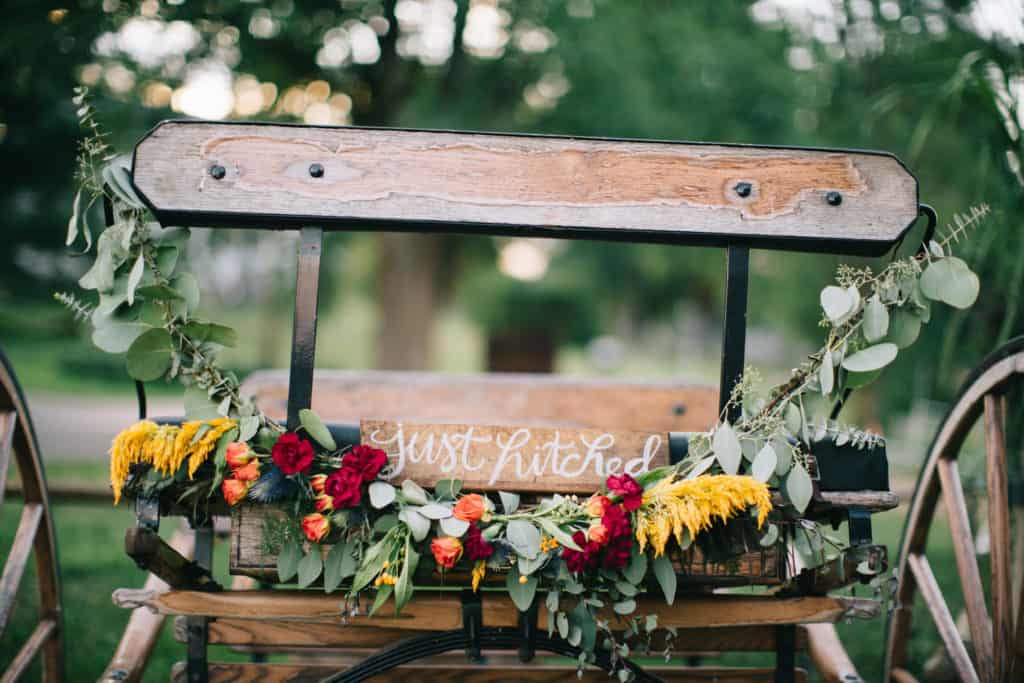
(93, 564)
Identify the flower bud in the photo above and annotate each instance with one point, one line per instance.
(238, 454)
(315, 526)
(316, 482)
(324, 503)
(234, 490)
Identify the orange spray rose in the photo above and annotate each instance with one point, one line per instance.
(315, 526)
(447, 551)
(469, 508)
(234, 490)
(238, 454)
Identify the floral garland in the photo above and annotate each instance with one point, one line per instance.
(595, 551)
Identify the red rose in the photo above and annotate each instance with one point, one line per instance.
(345, 487)
(292, 454)
(365, 460)
(578, 561)
(616, 521)
(474, 545)
(627, 487)
(616, 553)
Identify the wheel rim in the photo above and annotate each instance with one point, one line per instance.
(34, 537)
(994, 633)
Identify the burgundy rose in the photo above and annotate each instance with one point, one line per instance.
(578, 561)
(616, 553)
(616, 521)
(292, 454)
(627, 487)
(474, 545)
(345, 487)
(365, 460)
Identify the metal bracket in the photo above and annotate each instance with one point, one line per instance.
(678, 447)
(472, 624)
(528, 631)
(307, 289)
(147, 512)
(734, 338)
(858, 522)
(785, 653)
(198, 627)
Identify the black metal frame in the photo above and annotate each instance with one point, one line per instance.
(474, 636)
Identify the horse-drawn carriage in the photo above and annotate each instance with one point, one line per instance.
(494, 433)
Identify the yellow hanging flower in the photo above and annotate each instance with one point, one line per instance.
(165, 447)
(479, 571)
(694, 505)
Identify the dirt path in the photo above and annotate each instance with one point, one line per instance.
(73, 427)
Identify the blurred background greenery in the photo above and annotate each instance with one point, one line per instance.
(936, 82)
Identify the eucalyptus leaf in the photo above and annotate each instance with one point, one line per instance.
(872, 358)
(625, 607)
(784, 453)
(247, 427)
(414, 493)
(310, 567)
(333, 565)
(134, 277)
(950, 280)
(417, 523)
(211, 332)
(435, 511)
(149, 356)
(836, 302)
(552, 600)
(665, 573)
(763, 467)
(876, 320)
(509, 501)
(118, 337)
(185, 284)
(904, 328)
(447, 488)
(562, 622)
(453, 526)
(198, 405)
(382, 494)
(288, 561)
(799, 488)
(771, 535)
(522, 594)
(524, 538)
(637, 567)
(826, 374)
(318, 431)
(701, 467)
(727, 449)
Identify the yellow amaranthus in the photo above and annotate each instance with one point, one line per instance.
(479, 571)
(673, 505)
(165, 447)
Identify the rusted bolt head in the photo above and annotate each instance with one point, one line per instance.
(316, 170)
(218, 171)
(743, 188)
(834, 198)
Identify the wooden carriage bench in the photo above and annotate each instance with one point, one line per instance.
(316, 179)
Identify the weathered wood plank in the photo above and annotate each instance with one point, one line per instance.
(160, 558)
(288, 635)
(143, 630)
(17, 558)
(761, 566)
(829, 656)
(342, 396)
(492, 458)
(440, 610)
(478, 673)
(563, 187)
(935, 601)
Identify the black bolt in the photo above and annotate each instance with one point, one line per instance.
(316, 170)
(743, 189)
(834, 198)
(679, 409)
(218, 171)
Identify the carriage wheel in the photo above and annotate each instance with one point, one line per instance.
(994, 629)
(34, 536)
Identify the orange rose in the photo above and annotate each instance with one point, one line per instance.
(469, 508)
(598, 505)
(250, 472)
(315, 526)
(316, 482)
(598, 533)
(238, 454)
(447, 551)
(324, 503)
(234, 490)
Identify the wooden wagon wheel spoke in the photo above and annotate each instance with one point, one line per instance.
(999, 533)
(33, 538)
(998, 642)
(941, 616)
(967, 566)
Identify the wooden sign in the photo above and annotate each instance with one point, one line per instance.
(513, 458)
(204, 173)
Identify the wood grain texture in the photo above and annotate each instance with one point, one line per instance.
(42, 634)
(341, 396)
(160, 558)
(17, 559)
(440, 610)
(8, 423)
(478, 673)
(513, 458)
(763, 566)
(288, 635)
(936, 603)
(999, 535)
(566, 187)
(144, 626)
(830, 659)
